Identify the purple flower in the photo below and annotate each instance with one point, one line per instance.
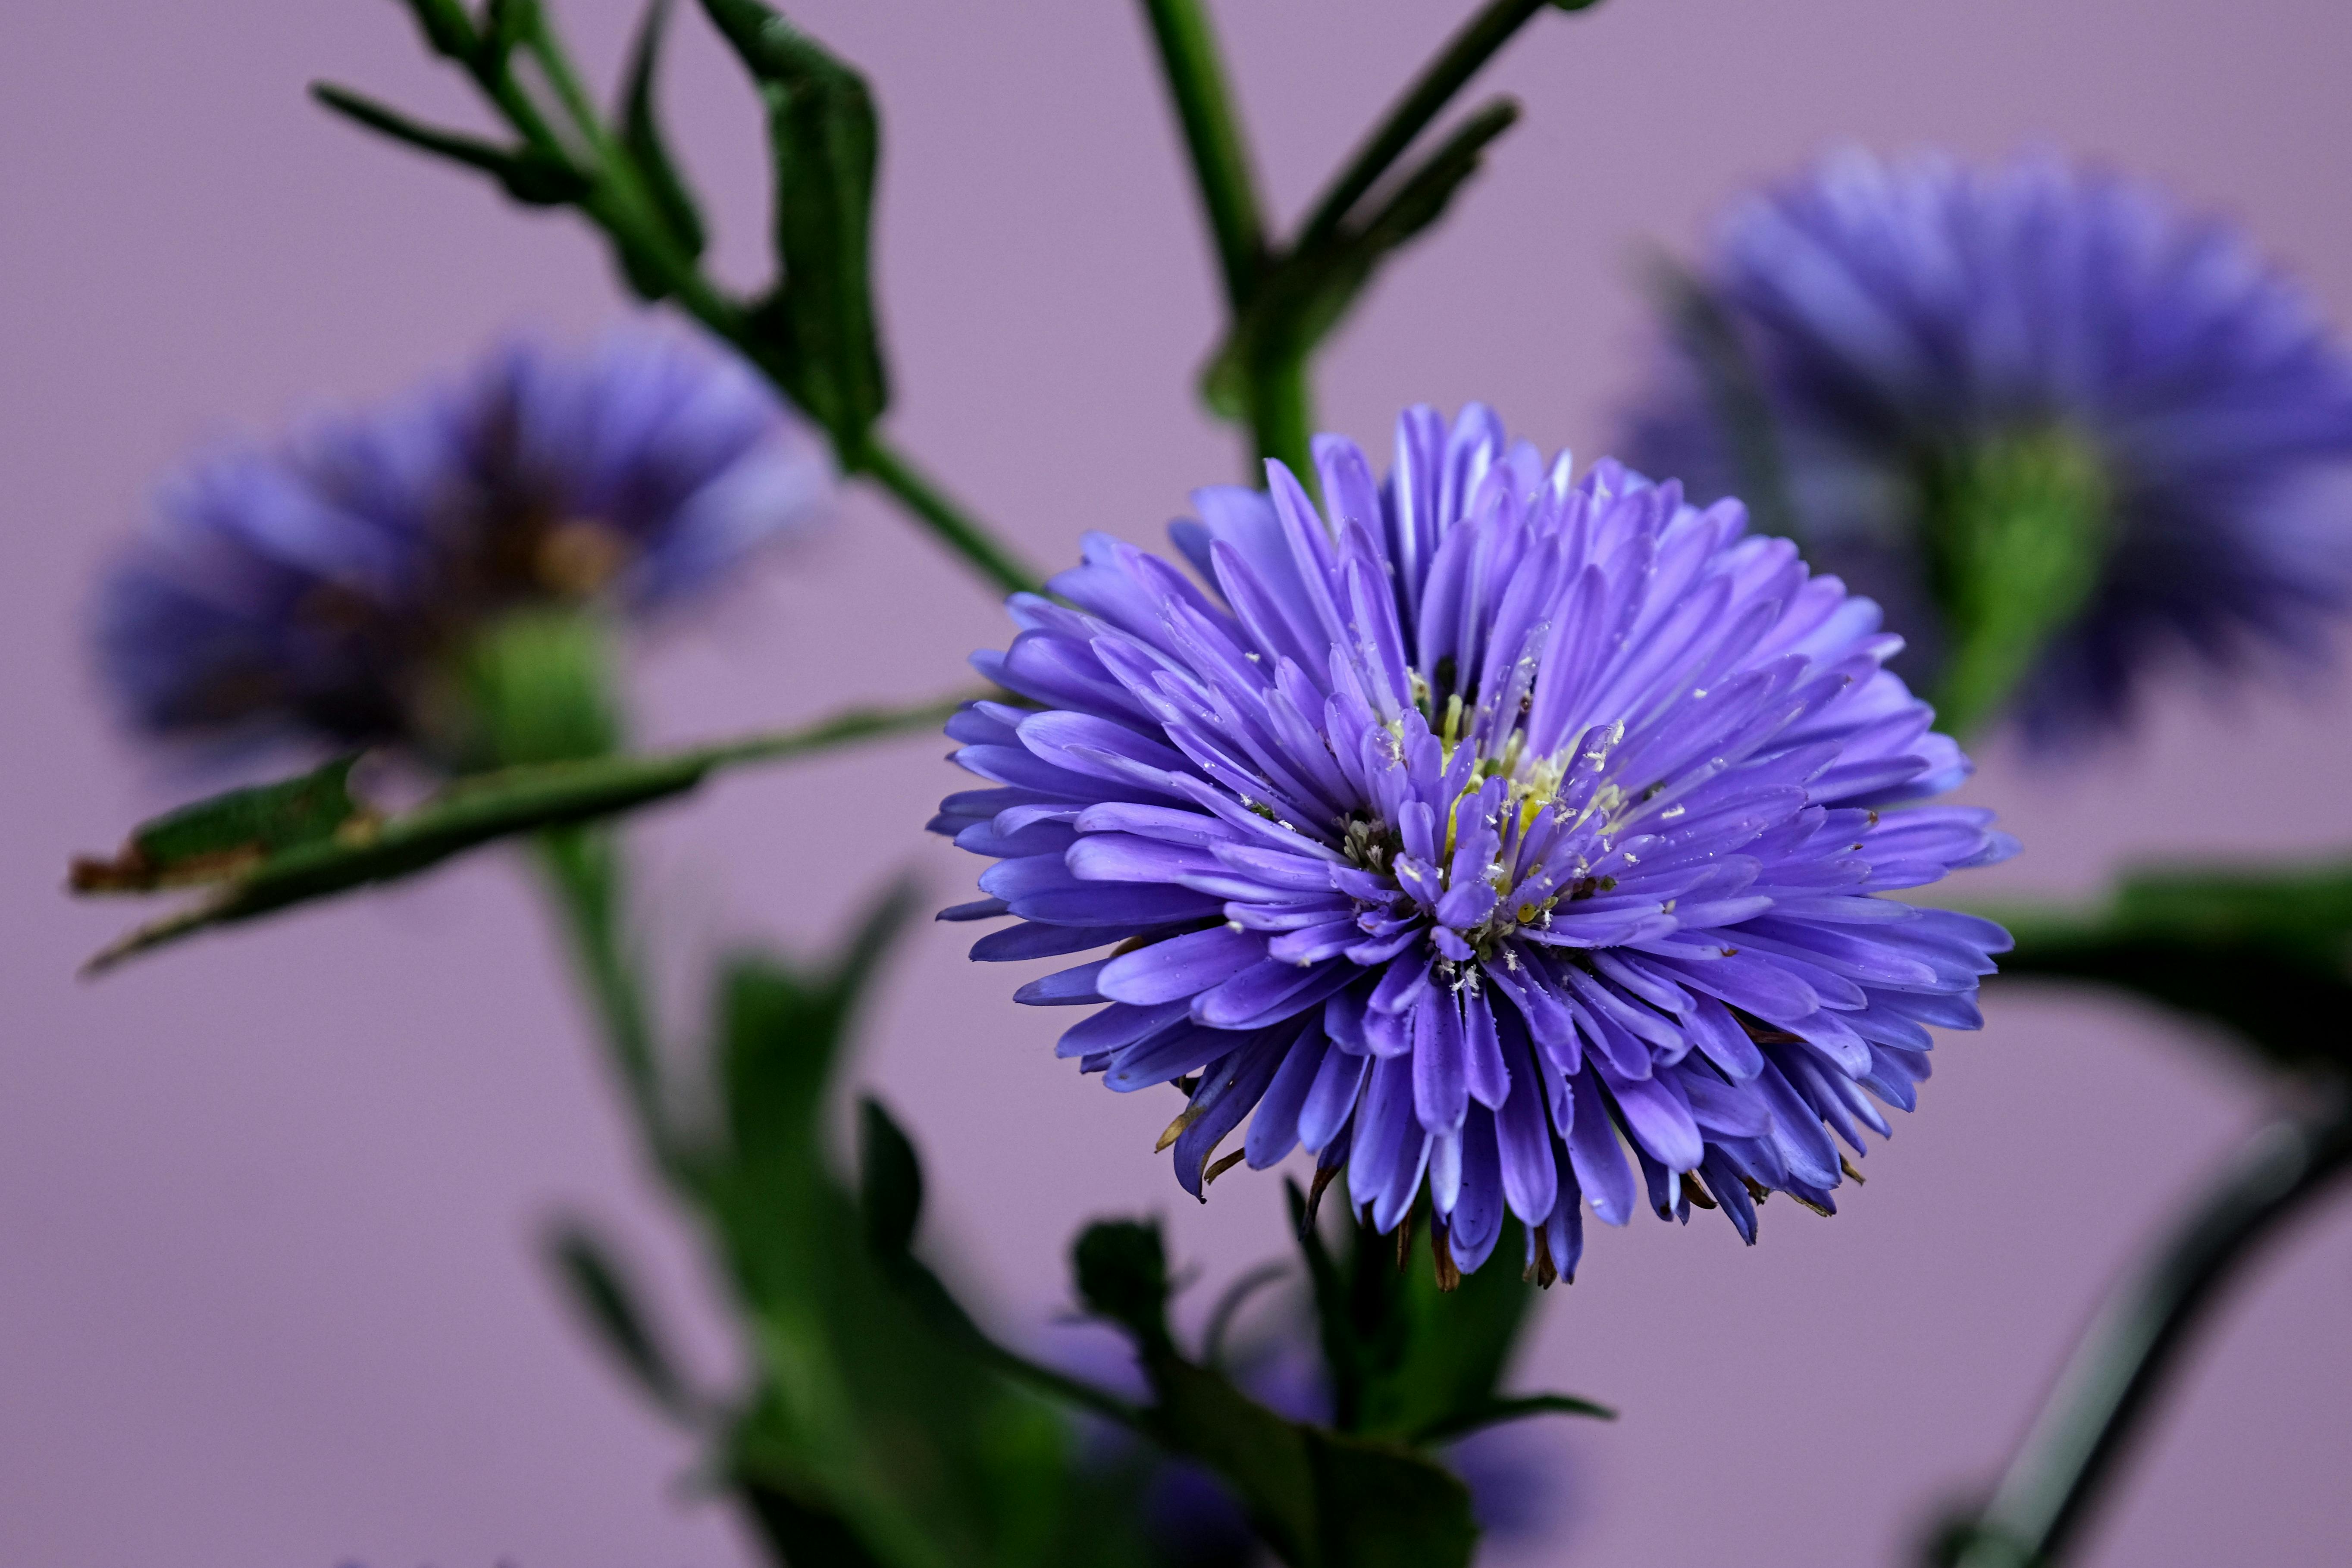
(312, 586)
(1896, 321)
(1500, 824)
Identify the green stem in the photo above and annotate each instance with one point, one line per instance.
(1282, 416)
(619, 205)
(2077, 1444)
(1189, 58)
(582, 865)
(895, 472)
(1463, 56)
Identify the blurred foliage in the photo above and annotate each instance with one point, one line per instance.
(2266, 954)
(257, 851)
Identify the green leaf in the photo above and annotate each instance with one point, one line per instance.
(2268, 955)
(601, 1287)
(1321, 1499)
(648, 150)
(366, 847)
(817, 328)
(890, 1186)
(532, 177)
(892, 1210)
(228, 835)
(872, 1435)
(1309, 292)
(1519, 1407)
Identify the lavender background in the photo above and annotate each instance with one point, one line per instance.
(267, 1295)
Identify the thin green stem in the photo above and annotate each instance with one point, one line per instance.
(895, 472)
(583, 869)
(1463, 56)
(1190, 59)
(2076, 1445)
(849, 724)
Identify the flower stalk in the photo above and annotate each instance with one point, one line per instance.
(2076, 1446)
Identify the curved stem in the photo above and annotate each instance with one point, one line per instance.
(890, 468)
(1464, 53)
(2077, 1443)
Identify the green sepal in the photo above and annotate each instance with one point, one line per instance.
(816, 330)
(509, 23)
(648, 150)
(604, 1290)
(364, 847)
(1306, 295)
(2017, 531)
(1321, 1499)
(2268, 955)
(1120, 1267)
(530, 176)
(1409, 1359)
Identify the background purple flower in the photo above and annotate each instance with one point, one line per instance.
(1497, 825)
(1894, 316)
(309, 584)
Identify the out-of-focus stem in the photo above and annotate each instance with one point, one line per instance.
(585, 875)
(2076, 1445)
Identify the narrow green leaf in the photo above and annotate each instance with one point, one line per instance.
(447, 30)
(532, 178)
(215, 839)
(1494, 1412)
(817, 330)
(476, 810)
(601, 1287)
(648, 149)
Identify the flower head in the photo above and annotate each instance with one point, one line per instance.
(313, 586)
(1911, 340)
(1497, 818)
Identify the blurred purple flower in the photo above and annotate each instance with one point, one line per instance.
(1496, 818)
(1890, 318)
(309, 585)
